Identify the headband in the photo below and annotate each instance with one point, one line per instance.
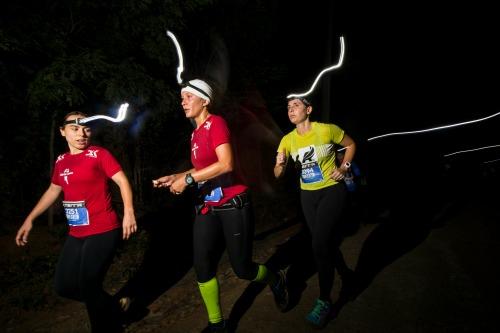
(77, 121)
(199, 88)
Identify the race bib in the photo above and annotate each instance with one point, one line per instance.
(215, 195)
(76, 213)
(311, 173)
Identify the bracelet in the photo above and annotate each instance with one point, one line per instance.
(346, 165)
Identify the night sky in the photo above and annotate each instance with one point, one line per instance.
(408, 67)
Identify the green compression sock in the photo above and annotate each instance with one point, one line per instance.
(264, 275)
(210, 293)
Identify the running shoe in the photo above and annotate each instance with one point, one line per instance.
(280, 292)
(320, 314)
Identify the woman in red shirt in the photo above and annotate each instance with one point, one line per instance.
(95, 231)
(224, 211)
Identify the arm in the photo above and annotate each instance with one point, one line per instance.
(129, 224)
(223, 165)
(47, 199)
(350, 150)
(280, 166)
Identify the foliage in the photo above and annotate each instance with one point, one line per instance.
(89, 55)
(59, 55)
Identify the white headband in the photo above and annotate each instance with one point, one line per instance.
(199, 88)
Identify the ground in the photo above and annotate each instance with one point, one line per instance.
(427, 276)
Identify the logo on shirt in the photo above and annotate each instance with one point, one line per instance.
(309, 155)
(310, 169)
(92, 153)
(195, 146)
(60, 158)
(65, 175)
(207, 125)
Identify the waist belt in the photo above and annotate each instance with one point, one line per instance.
(237, 202)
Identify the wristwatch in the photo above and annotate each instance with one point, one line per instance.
(189, 179)
(346, 165)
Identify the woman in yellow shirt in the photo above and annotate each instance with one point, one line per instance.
(311, 145)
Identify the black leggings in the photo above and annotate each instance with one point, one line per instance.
(237, 228)
(323, 212)
(80, 272)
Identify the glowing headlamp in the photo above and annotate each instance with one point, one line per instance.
(122, 112)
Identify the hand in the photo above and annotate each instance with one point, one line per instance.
(338, 174)
(129, 226)
(178, 186)
(22, 234)
(165, 181)
(281, 158)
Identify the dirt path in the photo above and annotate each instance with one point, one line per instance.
(419, 278)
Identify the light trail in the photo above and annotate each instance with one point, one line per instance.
(491, 161)
(338, 65)
(122, 112)
(469, 150)
(434, 128)
(180, 68)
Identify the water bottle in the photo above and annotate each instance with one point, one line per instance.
(349, 181)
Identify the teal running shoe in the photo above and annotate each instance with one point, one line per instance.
(320, 314)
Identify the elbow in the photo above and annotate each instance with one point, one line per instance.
(227, 167)
(278, 172)
(351, 146)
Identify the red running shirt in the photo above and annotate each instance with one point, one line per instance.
(84, 177)
(211, 134)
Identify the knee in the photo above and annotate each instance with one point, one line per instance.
(321, 249)
(245, 272)
(68, 290)
(91, 290)
(204, 273)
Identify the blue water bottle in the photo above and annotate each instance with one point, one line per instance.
(349, 181)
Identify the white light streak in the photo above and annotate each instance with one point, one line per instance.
(491, 161)
(338, 65)
(180, 68)
(469, 150)
(434, 128)
(122, 112)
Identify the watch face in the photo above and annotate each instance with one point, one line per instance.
(189, 179)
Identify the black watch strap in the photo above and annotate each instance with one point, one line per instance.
(189, 179)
